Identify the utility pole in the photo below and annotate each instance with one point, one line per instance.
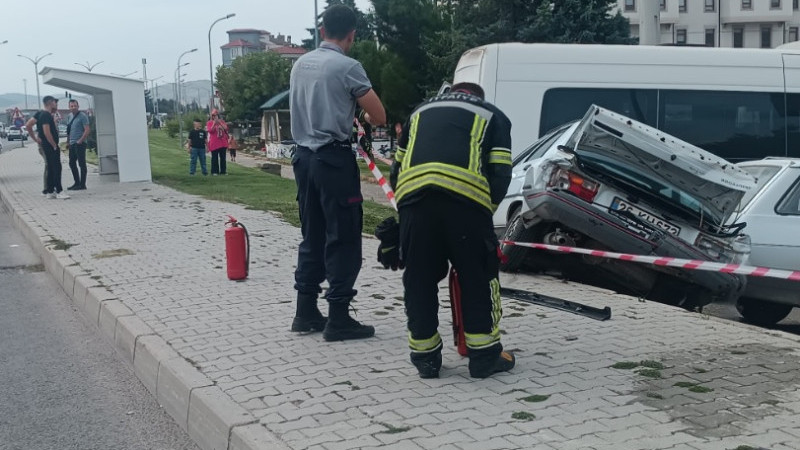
(211, 63)
(25, 86)
(180, 121)
(35, 62)
(316, 26)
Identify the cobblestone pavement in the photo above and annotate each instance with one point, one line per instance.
(146, 263)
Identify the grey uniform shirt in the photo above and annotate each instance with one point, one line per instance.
(76, 129)
(324, 86)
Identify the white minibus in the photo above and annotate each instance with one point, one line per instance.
(737, 103)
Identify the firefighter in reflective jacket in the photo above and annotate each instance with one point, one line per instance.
(451, 169)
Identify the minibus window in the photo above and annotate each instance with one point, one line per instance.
(793, 125)
(562, 105)
(733, 125)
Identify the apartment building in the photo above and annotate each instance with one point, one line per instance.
(722, 23)
(243, 41)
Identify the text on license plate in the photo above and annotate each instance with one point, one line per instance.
(620, 205)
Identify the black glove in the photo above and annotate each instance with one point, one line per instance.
(388, 232)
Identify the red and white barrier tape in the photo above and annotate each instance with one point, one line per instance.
(693, 264)
(361, 133)
(382, 181)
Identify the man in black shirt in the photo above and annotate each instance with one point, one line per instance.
(197, 147)
(47, 137)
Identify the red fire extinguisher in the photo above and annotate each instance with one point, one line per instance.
(455, 306)
(455, 309)
(237, 249)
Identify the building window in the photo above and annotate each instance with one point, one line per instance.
(662, 4)
(766, 37)
(711, 5)
(630, 5)
(792, 34)
(711, 37)
(775, 4)
(738, 37)
(680, 36)
(682, 5)
(747, 4)
(795, 4)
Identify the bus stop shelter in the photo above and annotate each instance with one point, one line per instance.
(120, 120)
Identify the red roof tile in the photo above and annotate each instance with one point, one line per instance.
(240, 43)
(289, 50)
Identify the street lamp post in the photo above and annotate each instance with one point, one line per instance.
(88, 66)
(153, 87)
(180, 122)
(35, 63)
(316, 26)
(210, 60)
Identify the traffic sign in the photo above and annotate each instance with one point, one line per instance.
(18, 122)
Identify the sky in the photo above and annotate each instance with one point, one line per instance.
(122, 32)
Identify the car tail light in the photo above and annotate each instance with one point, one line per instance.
(579, 185)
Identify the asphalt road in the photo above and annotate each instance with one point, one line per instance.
(61, 385)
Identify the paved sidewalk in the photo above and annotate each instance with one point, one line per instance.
(146, 264)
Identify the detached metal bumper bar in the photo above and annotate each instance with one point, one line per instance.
(556, 303)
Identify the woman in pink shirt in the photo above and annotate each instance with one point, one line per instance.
(217, 143)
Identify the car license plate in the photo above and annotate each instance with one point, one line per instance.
(619, 205)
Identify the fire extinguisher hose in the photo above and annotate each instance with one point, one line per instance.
(247, 252)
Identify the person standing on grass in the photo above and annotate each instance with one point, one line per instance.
(197, 147)
(217, 143)
(324, 88)
(232, 147)
(77, 132)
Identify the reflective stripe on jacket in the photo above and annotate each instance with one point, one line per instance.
(457, 143)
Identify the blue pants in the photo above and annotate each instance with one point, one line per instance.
(198, 153)
(329, 199)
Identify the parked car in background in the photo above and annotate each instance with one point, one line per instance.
(772, 214)
(511, 205)
(17, 134)
(3, 131)
(611, 183)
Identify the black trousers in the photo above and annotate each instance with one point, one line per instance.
(77, 159)
(52, 169)
(218, 163)
(329, 199)
(437, 228)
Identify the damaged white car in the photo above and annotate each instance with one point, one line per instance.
(611, 183)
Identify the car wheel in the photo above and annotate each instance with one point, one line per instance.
(761, 312)
(515, 231)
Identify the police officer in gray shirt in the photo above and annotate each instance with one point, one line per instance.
(325, 87)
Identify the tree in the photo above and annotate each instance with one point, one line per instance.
(430, 36)
(250, 81)
(391, 80)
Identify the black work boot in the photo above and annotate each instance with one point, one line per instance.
(427, 364)
(308, 317)
(342, 327)
(483, 363)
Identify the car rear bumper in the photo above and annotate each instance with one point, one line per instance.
(612, 233)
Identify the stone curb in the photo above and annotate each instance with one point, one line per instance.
(210, 417)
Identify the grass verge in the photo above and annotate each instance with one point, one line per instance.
(244, 185)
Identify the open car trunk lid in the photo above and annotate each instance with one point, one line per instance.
(715, 183)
